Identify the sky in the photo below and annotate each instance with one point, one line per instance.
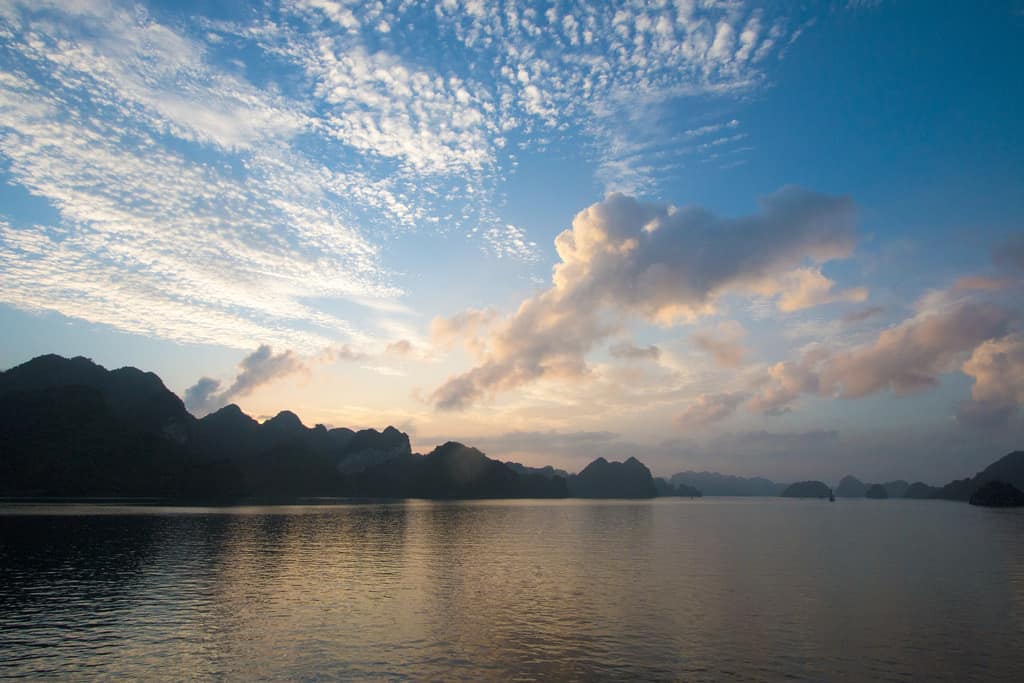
(761, 238)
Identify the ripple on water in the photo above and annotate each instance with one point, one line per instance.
(694, 590)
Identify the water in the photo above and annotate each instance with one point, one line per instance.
(706, 590)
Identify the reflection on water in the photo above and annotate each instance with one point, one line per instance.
(670, 589)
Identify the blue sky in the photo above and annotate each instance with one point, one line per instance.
(789, 236)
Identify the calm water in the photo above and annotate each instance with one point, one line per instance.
(717, 589)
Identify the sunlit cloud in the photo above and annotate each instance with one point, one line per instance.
(626, 259)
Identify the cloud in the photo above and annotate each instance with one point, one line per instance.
(709, 408)
(518, 441)
(402, 347)
(260, 367)
(466, 325)
(344, 352)
(807, 287)
(982, 283)
(631, 351)
(861, 314)
(783, 443)
(997, 367)
(909, 357)
(623, 258)
(178, 206)
(219, 180)
(1010, 254)
(724, 344)
(904, 359)
(201, 397)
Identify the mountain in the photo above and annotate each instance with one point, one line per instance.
(70, 427)
(603, 479)
(1009, 469)
(998, 494)
(369, 447)
(546, 471)
(920, 491)
(807, 489)
(665, 489)
(876, 491)
(851, 487)
(714, 484)
(452, 470)
(896, 489)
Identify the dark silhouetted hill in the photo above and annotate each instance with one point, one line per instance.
(851, 487)
(603, 479)
(665, 489)
(896, 489)
(70, 427)
(876, 491)
(714, 484)
(920, 491)
(546, 471)
(451, 471)
(1008, 469)
(807, 489)
(997, 494)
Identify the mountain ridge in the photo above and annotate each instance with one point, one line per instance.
(71, 427)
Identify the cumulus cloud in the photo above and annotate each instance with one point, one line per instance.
(724, 344)
(909, 357)
(997, 367)
(623, 258)
(631, 351)
(260, 367)
(709, 408)
(905, 359)
(807, 287)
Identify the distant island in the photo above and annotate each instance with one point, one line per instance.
(1007, 470)
(807, 489)
(714, 484)
(71, 428)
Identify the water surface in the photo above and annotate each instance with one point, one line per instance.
(705, 590)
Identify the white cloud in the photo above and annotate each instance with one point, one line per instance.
(623, 258)
(211, 180)
(724, 343)
(905, 359)
(997, 367)
(710, 408)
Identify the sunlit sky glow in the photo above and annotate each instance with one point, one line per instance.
(749, 237)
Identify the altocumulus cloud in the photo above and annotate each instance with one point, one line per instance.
(623, 258)
(188, 202)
